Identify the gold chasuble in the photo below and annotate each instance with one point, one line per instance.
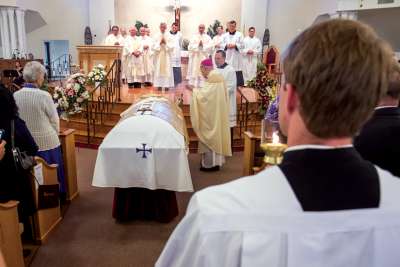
(209, 114)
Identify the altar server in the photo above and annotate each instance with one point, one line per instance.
(176, 38)
(251, 50)
(209, 114)
(163, 48)
(324, 205)
(199, 49)
(230, 81)
(233, 44)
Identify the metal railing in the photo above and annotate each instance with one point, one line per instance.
(102, 99)
(243, 113)
(59, 68)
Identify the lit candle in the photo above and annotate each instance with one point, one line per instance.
(275, 138)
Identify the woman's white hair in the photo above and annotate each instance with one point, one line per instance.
(32, 71)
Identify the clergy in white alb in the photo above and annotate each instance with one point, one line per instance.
(176, 38)
(218, 42)
(163, 48)
(148, 62)
(251, 51)
(133, 52)
(209, 114)
(229, 75)
(324, 205)
(200, 47)
(233, 45)
(114, 38)
(136, 156)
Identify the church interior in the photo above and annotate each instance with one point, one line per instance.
(143, 127)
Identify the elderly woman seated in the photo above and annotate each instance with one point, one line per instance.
(38, 110)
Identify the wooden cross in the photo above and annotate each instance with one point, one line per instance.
(177, 8)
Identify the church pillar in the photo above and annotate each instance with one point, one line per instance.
(21, 31)
(5, 33)
(13, 35)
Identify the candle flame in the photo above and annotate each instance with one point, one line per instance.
(275, 138)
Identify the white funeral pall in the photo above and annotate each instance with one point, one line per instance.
(143, 151)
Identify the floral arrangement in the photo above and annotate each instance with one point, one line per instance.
(73, 97)
(97, 75)
(266, 87)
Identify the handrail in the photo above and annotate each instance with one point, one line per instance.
(59, 68)
(102, 99)
(243, 113)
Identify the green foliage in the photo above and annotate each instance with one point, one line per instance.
(138, 25)
(261, 66)
(212, 29)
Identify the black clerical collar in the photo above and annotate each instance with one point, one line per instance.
(232, 33)
(173, 32)
(222, 66)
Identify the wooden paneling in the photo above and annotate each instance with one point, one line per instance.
(67, 139)
(91, 55)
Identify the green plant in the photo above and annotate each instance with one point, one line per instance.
(212, 29)
(138, 25)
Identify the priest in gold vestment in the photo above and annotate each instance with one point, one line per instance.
(209, 114)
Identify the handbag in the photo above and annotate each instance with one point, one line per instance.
(21, 159)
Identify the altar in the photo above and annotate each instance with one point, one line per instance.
(144, 157)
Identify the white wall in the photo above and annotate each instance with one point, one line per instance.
(154, 11)
(8, 3)
(287, 18)
(66, 20)
(254, 14)
(101, 13)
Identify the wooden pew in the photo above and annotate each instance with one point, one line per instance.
(67, 139)
(253, 155)
(46, 219)
(10, 236)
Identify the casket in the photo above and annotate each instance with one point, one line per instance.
(147, 149)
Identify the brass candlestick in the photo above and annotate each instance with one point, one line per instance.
(273, 151)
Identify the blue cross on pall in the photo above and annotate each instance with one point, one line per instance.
(144, 150)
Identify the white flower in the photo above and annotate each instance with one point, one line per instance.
(104, 73)
(69, 86)
(100, 66)
(97, 77)
(79, 100)
(55, 96)
(77, 87)
(90, 74)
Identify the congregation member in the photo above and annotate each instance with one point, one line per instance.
(176, 38)
(147, 43)
(114, 38)
(37, 109)
(324, 204)
(251, 50)
(379, 140)
(218, 42)
(163, 48)
(200, 46)
(133, 53)
(233, 44)
(229, 75)
(209, 114)
(15, 183)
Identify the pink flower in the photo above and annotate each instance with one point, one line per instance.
(71, 92)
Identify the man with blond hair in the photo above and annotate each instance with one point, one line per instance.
(323, 205)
